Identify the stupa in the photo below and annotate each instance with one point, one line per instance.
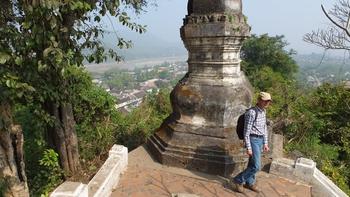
(200, 132)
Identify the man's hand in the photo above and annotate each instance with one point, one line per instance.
(266, 148)
(249, 152)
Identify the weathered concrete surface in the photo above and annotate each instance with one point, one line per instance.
(147, 178)
(70, 189)
(276, 145)
(218, 6)
(200, 133)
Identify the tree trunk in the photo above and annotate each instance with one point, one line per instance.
(63, 138)
(11, 155)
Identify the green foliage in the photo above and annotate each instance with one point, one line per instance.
(49, 174)
(338, 173)
(319, 128)
(332, 104)
(175, 80)
(160, 102)
(42, 168)
(141, 123)
(94, 113)
(96, 121)
(99, 125)
(48, 37)
(265, 51)
(34, 132)
(313, 148)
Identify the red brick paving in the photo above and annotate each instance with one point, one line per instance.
(146, 178)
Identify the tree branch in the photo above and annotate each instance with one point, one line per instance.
(335, 23)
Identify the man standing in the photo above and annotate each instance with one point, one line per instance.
(255, 139)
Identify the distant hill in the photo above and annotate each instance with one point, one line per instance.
(145, 46)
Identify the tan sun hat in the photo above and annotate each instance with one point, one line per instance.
(265, 96)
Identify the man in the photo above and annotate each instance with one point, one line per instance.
(255, 139)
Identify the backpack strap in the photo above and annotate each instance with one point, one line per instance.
(256, 113)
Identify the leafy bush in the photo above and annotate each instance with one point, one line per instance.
(338, 173)
(49, 174)
(96, 121)
(266, 51)
(312, 148)
(42, 166)
(141, 123)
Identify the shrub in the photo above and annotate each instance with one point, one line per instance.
(49, 174)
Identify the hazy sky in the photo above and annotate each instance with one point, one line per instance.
(292, 18)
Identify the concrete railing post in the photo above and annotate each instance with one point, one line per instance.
(122, 152)
(305, 169)
(277, 145)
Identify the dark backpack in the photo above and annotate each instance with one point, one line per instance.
(241, 121)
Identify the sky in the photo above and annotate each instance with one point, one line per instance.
(291, 18)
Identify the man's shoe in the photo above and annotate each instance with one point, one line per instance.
(253, 188)
(237, 187)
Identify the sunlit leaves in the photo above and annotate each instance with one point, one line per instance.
(26, 25)
(79, 5)
(4, 57)
(41, 66)
(18, 60)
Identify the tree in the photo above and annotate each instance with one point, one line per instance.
(337, 36)
(40, 42)
(265, 51)
(13, 89)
